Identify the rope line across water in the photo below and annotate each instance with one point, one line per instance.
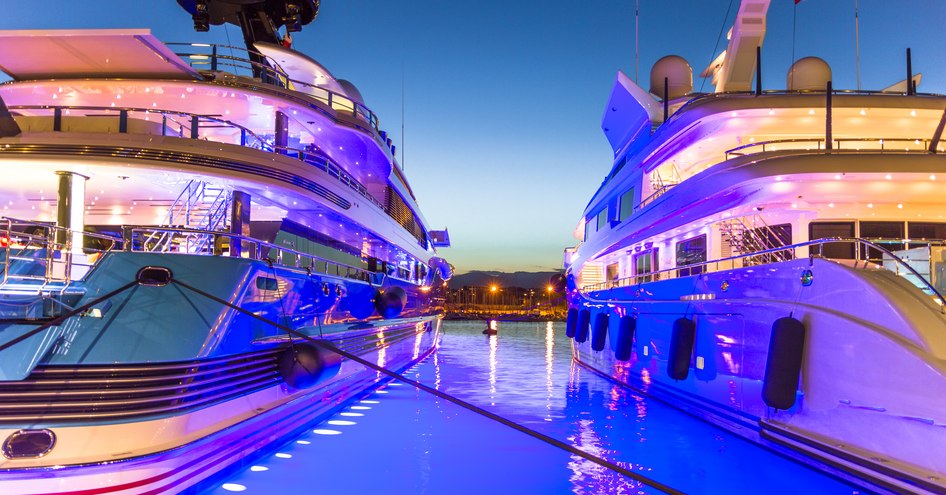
(466, 405)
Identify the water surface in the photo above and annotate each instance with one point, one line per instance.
(401, 440)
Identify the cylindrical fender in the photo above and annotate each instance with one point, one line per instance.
(626, 328)
(305, 365)
(783, 366)
(571, 323)
(681, 348)
(390, 302)
(584, 321)
(599, 332)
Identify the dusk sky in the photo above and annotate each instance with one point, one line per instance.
(503, 98)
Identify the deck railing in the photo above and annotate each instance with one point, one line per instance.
(915, 265)
(36, 255)
(203, 56)
(882, 145)
(188, 125)
(195, 242)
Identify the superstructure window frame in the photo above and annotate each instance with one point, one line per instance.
(626, 205)
(690, 251)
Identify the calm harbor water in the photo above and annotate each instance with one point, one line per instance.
(400, 440)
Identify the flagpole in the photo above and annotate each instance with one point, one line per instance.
(637, 10)
(857, 48)
(791, 71)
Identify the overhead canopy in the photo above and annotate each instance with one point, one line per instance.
(53, 54)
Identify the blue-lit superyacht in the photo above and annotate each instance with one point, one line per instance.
(773, 260)
(187, 232)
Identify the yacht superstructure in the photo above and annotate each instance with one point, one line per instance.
(187, 232)
(772, 260)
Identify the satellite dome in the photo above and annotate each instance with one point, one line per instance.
(808, 74)
(679, 76)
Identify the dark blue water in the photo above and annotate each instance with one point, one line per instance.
(400, 440)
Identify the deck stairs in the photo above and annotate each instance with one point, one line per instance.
(199, 206)
(750, 234)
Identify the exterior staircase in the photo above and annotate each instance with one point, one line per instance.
(199, 206)
(747, 235)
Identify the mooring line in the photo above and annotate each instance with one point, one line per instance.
(466, 405)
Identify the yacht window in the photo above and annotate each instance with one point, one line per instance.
(887, 234)
(589, 228)
(266, 283)
(690, 251)
(627, 205)
(602, 219)
(645, 263)
(612, 272)
(837, 250)
(926, 231)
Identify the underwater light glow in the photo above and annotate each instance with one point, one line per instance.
(233, 487)
(258, 469)
(320, 431)
(283, 455)
(340, 422)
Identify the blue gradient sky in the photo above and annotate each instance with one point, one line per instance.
(503, 98)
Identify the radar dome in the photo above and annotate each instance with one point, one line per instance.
(351, 91)
(679, 76)
(808, 74)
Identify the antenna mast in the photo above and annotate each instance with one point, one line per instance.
(857, 49)
(637, 10)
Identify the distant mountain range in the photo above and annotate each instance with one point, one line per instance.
(525, 280)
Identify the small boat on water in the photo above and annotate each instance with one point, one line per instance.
(188, 233)
(774, 261)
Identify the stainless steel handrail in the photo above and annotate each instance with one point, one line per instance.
(639, 279)
(49, 241)
(323, 162)
(277, 76)
(819, 145)
(277, 254)
(119, 111)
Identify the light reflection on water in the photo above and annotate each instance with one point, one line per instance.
(411, 442)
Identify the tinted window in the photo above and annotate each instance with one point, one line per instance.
(627, 205)
(927, 231)
(602, 219)
(690, 251)
(822, 230)
(881, 233)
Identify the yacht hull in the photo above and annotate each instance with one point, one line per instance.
(873, 378)
(164, 388)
